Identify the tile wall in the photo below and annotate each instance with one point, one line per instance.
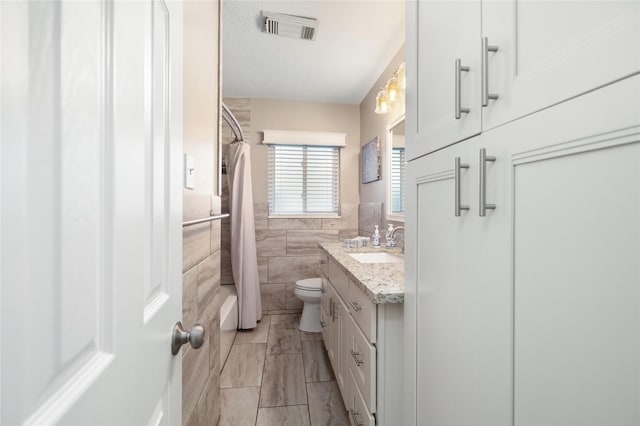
(369, 215)
(288, 251)
(201, 304)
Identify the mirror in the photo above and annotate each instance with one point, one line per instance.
(395, 160)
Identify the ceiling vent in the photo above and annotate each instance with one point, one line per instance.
(290, 25)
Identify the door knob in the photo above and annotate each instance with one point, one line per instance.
(180, 336)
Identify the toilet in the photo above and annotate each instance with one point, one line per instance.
(309, 291)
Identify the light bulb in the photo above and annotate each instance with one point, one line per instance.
(402, 76)
(382, 103)
(392, 89)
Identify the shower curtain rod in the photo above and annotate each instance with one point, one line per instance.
(231, 120)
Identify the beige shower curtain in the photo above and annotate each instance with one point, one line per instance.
(244, 261)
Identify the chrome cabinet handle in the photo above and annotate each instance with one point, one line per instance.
(484, 158)
(180, 336)
(459, 108)
(354, 416)
(355, 356)
(355, 305)
(458, 206)
(486, 48)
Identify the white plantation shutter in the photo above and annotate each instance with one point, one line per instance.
(397, 180)
(304, 179)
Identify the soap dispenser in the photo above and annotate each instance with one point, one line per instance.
(390, 241)
(376, 237)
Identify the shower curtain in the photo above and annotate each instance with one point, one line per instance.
(244, 261)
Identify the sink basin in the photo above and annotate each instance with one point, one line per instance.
(382, 257)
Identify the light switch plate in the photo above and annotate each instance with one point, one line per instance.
(189, 172)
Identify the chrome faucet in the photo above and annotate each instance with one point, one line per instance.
(394, 230)
(392, 235)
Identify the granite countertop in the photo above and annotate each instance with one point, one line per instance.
(382, 282)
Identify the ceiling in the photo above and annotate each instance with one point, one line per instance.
(355, 41)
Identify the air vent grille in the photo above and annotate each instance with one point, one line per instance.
(299, 27)
(308, 33)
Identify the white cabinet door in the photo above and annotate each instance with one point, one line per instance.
(439, 33)
(91, 212)
(551, 51)
(576, 259)
(460, 292)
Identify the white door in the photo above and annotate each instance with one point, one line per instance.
(551, 51)
(438, 34)
(91, 209)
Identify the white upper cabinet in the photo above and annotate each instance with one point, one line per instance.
(439, 34)
(516, 58)
(549, 52)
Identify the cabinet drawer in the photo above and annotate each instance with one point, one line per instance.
(361, 357)
(358, 413)
(338, 277)
(363, 311)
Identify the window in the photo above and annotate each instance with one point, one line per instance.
(397, 180)
(304, 179)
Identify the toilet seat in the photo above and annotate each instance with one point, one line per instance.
(309, 284)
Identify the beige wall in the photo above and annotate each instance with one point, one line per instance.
(311, 116)
(372, 125)
(201, 243)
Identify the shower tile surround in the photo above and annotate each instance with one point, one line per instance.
(201, 304)
(297, 385)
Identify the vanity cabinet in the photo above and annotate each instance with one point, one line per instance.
(473, 66)
(364, 344)
(528, 314)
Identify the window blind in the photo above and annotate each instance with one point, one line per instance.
(304, 179)
(397, 180)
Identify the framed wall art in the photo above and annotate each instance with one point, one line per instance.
(370, 155)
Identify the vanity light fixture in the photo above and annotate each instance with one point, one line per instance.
(402, 76)
(391, 91)
(382, 103)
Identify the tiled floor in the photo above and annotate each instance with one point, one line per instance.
(278, 375)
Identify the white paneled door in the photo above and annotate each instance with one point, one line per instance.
(91, 208)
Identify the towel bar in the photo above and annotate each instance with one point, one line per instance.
(205, 219)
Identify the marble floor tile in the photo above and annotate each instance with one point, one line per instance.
(257, 335)
(285, 321)
(284, 341)
(244, 366)
(283, 381)
(305, 335)
(292, 415)
(239, 406)
(325, 405)
(317, 367)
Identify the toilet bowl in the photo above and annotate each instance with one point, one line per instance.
(309, 291)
